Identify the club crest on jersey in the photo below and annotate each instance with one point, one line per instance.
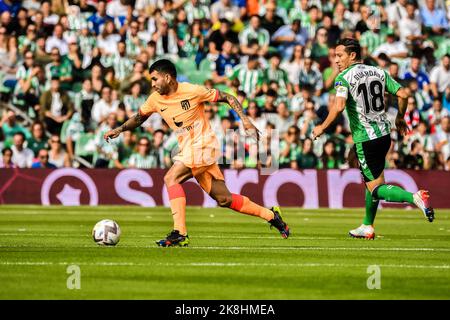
(338, 84)
(185, 104)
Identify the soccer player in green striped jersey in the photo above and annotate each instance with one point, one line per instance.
(360, 89)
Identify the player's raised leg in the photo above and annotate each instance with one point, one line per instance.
(388, 192)
(377, 189)
(243, 204)
(173, 179)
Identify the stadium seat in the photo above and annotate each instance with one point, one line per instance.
(199, 77)
(185, 66)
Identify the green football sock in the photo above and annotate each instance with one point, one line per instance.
(393, 193)
(371, 209)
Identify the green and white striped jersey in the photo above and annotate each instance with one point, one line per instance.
(248, 34)
(23, 42)
(197, 12)
(280, 76)
(371, 40)
(87, 44)
(148, 161)
(249, 79)
(364, 86)
(133, 49)
(77, 22)
(23, 73)
(133, 103)
(122, 65)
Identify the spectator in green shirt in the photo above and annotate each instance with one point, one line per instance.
(59, 67)
(319, 51)
(371, 39)
(38, 139)
(306, 159)
(290, 148)
(275, 73)
(10, 126)
(126, 148)
(329, 158)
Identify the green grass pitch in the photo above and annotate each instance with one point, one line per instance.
(231, 256)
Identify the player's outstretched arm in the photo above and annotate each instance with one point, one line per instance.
(337, 109)
(236, 106)
(400, 122)
(131, 124)
(233, 102)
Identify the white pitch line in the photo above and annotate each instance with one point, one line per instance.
(240, 248)
(151, 236)
(29, 234)
(216, 264)
(316, 248)
(319, 248)
(249, 237)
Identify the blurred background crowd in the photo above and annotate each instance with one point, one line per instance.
(70, 70)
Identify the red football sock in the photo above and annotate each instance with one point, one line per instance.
(244, 205)
(177, 199)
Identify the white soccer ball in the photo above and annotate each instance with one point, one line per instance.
(106, 232)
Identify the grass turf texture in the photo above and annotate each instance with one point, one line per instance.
(231, 256)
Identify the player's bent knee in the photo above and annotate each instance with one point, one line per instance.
(224, 201)
(169, 179)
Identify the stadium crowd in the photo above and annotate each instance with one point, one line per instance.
(70, 70)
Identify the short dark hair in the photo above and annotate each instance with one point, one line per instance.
(328, 14)
(276, 54)
(241, 93)
(20, 133)
(414, 144)
(164, 66)
(271, 93)
(144, 138)
(106, 86)
(6, 149)
(159, 130)
(351, 45)
(307, 87)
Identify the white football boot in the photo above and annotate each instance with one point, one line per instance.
(363, 232)
(422, 201)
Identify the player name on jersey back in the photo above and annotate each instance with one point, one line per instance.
(364, 87)
(363, 74)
